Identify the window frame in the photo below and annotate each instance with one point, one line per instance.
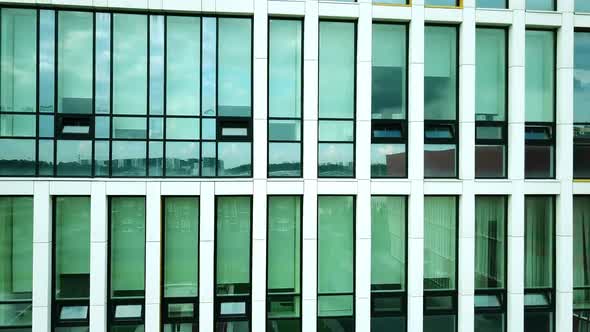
(579, 141)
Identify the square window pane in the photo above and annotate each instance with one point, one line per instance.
(538, 321)
(234, 159)
(128, 158)
(74, 158)
(182, 128)
(490, 161)
(388, 160)
(440, 160)
(539, 161)
(489, 322)
(284, 159)
(336, 160)
(182, 158)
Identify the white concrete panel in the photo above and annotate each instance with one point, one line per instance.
(515, 312)
(516, 44)
(126, 188)
(128, 4)
(363, 150)
(206, 316)
(416, 206)
(338, 10)
(581, 188)
(363, 268)
(516, 151)
(259, 210)
(500, 17)
(41, 274)
(416, 43)
(207, 212)
(258, 315)
(310, 210)
(98, 274)
(415, 267)
(442, 15)
(363, 90)
(260, 37)
(363, 210)
(311, 35)
(234, 7)
(41, 319)
(415, 310)
(208, 5)
(310, 149)
(542, 19)
(310, 89)
(332, 187)
(466, 313)
(467, 38)
(309, 277)
(364, 35)
(192, 5)
(177, 188)
(42, 225)
(363, 314)
(563, 264)
(442, 187)
(152, 272)
(17, 188)
(563, 311)
(152, 317)
(392, 13)
(391, 187)
(582, 20)
(153, 213)
(64, 188)
(467, 211)
(466, 266)
(155, 4)
(234, 188)
(309, 317)
(98, 212)
(492, 187)
(565, 208)
(290, 8)
(260, 82)
(515, 265)
(467, 150)
(283, 187)
(259, 270)
(542, 187)
(206, 271)
(260, 148)
(416, 93)
(98, 318)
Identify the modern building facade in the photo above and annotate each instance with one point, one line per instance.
(295, 165)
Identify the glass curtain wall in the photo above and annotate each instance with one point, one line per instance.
(180, 303)
(440, 102)
(71, 263)
(233, 245)
(18, 91)
(389, 122)
(491, 87)
(581, 105)
(539, 285)
(388, 263)
(126, 264)
(540, 5)
(285, 96)
(582, 6)
(490, 263)
(337, 95)
(540, 104)
(440, 263)
(581, 263)
(284, 264)
(16, 259)
(336, 252)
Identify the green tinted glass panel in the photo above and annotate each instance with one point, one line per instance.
(129, 64)
(440, 73)
(440, 242)
(490, 242)
(17, 125)
(284, 244)
(74, 62)
(72, 247)
(389, 71)
(540, 5)
(234, 56)
(582, 5)
(582, 75)
(491, 4)
(440, 3)
(335, 244)
(181, 252)
(16, 248)
(490, 75)
(285, 68)
(234, 159)
(538, 238)
(339, 131)
(388, 242)
(336, 159)
(582, 241)
(183, 74)
(156, 64)
(232, 243)
(127, 247)
(337, 70)
(46, 59)
(540, 76)
(284, 159)
(182, 128)
(18, 60)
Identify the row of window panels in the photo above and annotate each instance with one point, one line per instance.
(580, 5)
(336, 252)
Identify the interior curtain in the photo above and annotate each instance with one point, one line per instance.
(284, 243)
(388, 241)
(539, 242)
(489, 242)
(440, 242)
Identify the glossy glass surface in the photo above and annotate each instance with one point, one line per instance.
(446, 3)
(182, 158)
(540, 4)
(156, 64)
(46, 61)
(440, 160)
(440, 323)
(102, 79)
(74, 158)
(489, 322)
(490, 161)
(440, 73)
(582, 75)
(538, 321)
(539, 241)
(128, 158)
(540, 76)
(582, 245)
(492, 4)
(440, 243)
(234, 159)
(388, 160)
(582, 6)
(18, 157)
(490, 74)
(539, 161)
(336, 159)
(490, 242)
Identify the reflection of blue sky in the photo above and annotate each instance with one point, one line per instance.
(13, 149)
(284, 153)
(582, 77)
(235, 56)
(103, 59)
(335, 153)
(234, 154)
(379, 152)
(46, 58)
(209, 64)
(156, 64)
(128, 150)
(74, 151)
(182, 150)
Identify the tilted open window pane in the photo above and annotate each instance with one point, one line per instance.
(388, 246)
(490, 242)
(181, 252)
(72, 247)
(440, 73)
(127, 218)
(540, 76)
(440, 242)
(490, 75)
(539, 241)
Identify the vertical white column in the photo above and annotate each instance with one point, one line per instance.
(516, 118)
(466, 167)
(415, 265)
(206, 255)
(259, 257)
(564, 170)
(42, 242)
(363, 167)
(259, 145)
(153, 260)
(98, 253)
(310, 164)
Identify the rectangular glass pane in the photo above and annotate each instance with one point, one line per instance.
(440, 73)
(234, 66)
(182, 158)
(208, 158)
(490, 161)
(336, 159)
(182, 128)
(46, 159)
(490, 74)
(101, 158)
(234, 159)
(127, 246)
(285, 68)
(284, 130)
(339, 131)
(386, 323)
(491, 4)
(539, 161)
(128, 158)
(46, 61)
(18, 60)
(284, 245)
(440, 160)
(440, 323)
(156, 71)
(17, 156)
(490, 242)
(16, 249)
(445, 3)
(388, 160)
(74, 158)
(129, 128)
(489, 322)
(335, 306)
(337, 70)
(389, 71)
(284, 159)
(335, 244)
(284, 306)
(18, 125)
(15, 315)
(440, 242)
(156, 159)
(581, 241)
(540, 76)
(102, 88)
(181, 251)
(538, 237)
(232, 241)
(582, 6)
(388, 244)
(72, 247)
(183, 60)
(74, 62)
(330, 324)
(581, 74)
(130, 64)
(538, 321)
(540, 5)
(156, 128)
(209, 66)
(46, 126)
